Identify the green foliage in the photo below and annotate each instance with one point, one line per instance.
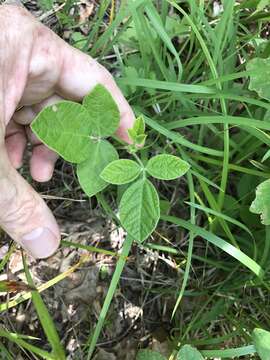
(103, 112)
(149, 355)
(261, 339)
(188, 352)
(65, 128)
(75, 132)
(100, 155)
(121, 172)
(167, 167)
(46, 5)
(139, 209)
(210, 115)
(260, 79)
(261, 204)
(137, 132)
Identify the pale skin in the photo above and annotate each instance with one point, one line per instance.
(38, 68)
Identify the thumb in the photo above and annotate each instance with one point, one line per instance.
(23, 214)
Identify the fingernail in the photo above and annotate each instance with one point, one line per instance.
(41, 242)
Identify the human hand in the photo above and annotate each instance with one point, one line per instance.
(37, 68)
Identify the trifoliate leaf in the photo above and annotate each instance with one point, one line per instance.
(103, 111)
(88, 172)
(260, 79)
(188, 352)
(149, 355)
(261, 339)
(65, 128)
(121, 172)
(139, 209)
(167, 167)
(261, 204)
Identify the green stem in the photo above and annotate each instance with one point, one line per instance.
(114, 283)
(138, 160)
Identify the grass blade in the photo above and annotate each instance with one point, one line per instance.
(45, 318)
(230, 353)
(217, 241)
(22, 343)
(223, 216)
(113, 285)
(177, 138)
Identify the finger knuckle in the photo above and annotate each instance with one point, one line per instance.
(15, 210)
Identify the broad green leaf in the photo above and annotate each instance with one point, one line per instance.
(188, 352)
(139, 209)
(121, 172)
(167, 167)
(261, 204)
(261, 339)
(103, 111)
(260, 80)
(65, 128)
(88, 172)
(149, 355)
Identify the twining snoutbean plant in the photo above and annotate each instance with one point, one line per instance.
(78, 134)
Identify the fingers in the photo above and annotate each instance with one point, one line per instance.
(80, 73)
(15, 143)
(43, 159)
(42, 163)
(23, 214)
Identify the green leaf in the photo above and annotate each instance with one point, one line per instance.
(65, 128)
(88, 172)
(132, 135)
(260, 80)
(103, 111)
(266, 156)
(261, 204)
(149, 355)
(140, 139)
(188, 352)
(139, 126)
(167, 167)
(261, 339)
(137, 132)
(121, 172)
(139, 209)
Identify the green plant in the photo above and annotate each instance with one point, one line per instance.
(200, 78)
(78, 132)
